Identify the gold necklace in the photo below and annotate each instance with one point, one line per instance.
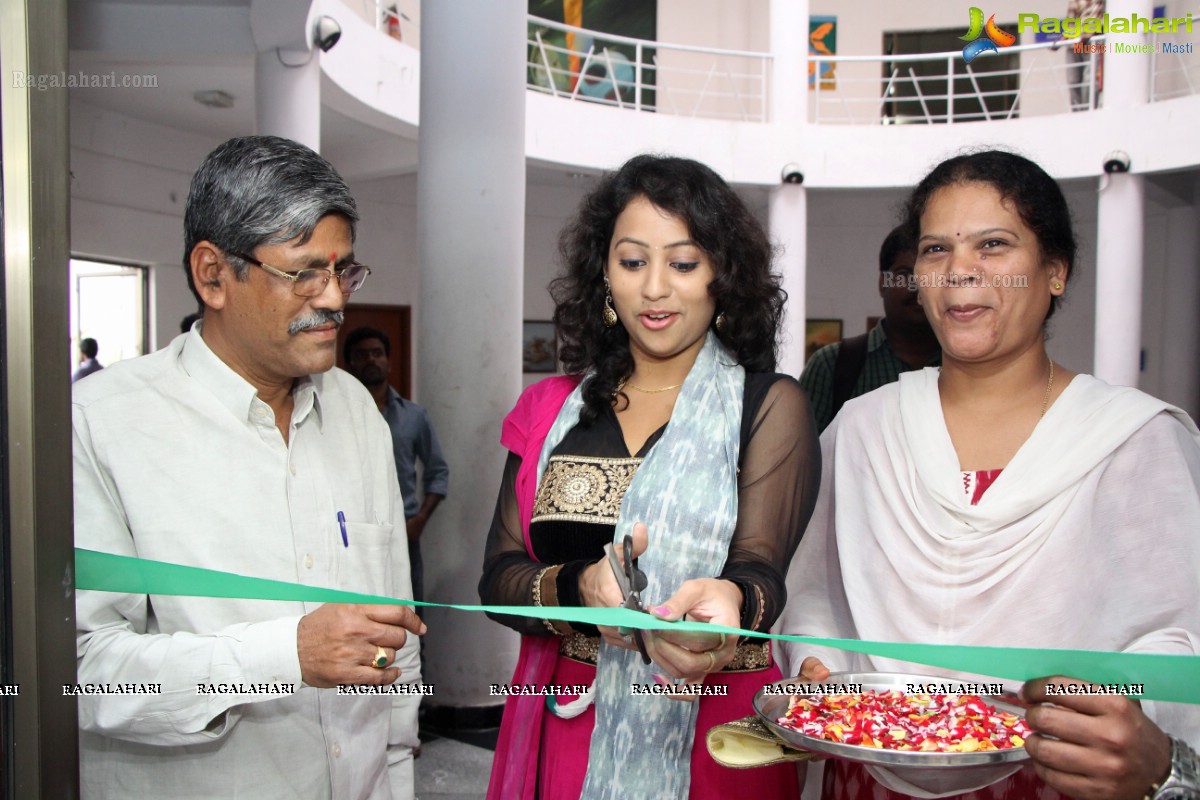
(648, 391)
(1049, 386)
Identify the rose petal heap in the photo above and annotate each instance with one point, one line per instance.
(893, 720)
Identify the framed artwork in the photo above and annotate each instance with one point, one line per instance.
(822, 41)
(539, 347)
(820, 332)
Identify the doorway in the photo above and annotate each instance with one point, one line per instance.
(108, 304)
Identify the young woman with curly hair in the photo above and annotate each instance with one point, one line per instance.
(670, 426)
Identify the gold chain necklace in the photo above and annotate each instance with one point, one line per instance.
(647, 391)
(1049, 386)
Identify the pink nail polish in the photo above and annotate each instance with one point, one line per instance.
(662, 611)
(660, 680)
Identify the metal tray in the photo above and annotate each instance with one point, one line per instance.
(771, 707)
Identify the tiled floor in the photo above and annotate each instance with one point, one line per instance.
(449, 769)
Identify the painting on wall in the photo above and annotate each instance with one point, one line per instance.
(591, 67)
(822, 41)
(820, 332)
(539, 347)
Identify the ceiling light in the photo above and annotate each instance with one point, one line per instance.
(213, 98)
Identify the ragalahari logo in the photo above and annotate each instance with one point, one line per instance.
(995, 36)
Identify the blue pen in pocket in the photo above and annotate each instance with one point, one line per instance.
(342, 525)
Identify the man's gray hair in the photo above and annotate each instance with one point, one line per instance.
(257, 190)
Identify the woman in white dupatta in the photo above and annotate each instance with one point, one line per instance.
(1005, 500)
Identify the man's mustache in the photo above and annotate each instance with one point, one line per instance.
(319, 317)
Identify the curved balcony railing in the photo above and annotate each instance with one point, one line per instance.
(1030, 80)
(930, 88)
(642, 75)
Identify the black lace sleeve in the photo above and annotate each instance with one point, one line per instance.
(508, 571)
(777, 488)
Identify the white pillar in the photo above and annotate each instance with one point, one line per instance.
(1121, 218)
(287, 99)
(789, 64)
(1127, 79)
(788, 223)
(1119, 247)
(788, 211)
(471, 224)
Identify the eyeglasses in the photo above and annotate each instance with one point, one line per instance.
(312, 281)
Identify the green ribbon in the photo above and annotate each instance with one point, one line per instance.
(1174, 678)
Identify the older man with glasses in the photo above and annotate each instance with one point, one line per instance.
(239, 448)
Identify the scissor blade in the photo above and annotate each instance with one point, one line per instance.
(618, 571)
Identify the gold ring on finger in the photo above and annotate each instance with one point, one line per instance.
(712, 660)
(381, 658)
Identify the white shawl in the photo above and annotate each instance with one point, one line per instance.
(1089, 539)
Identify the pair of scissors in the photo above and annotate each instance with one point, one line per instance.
(631, 582)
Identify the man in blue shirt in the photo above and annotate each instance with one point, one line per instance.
(367, 353)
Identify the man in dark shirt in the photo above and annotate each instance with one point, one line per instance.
(367, 352)
(902, 340)
(88, 349)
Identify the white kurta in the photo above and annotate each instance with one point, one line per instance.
(1089, 538)
(176, 459)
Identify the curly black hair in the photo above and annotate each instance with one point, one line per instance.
(745, 289)
(1037, 197)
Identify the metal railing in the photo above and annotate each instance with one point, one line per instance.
(643, 75)
(904, 90)
(930, 88)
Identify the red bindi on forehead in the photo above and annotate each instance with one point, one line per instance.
(333, 257)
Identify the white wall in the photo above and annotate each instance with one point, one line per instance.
(129, 183)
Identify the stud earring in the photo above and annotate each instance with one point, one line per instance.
(610, 314)
(720, 322)
(1057, 286)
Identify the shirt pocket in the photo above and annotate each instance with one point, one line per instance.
(365, 563)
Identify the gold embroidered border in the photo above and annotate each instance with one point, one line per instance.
(580, 647)
(584, 489)
(545, 593)
(749, 657)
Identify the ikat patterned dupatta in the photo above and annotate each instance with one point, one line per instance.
(685, 491)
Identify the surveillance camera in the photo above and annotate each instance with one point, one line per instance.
(1116, 161)
(326, 33)
(792, 174)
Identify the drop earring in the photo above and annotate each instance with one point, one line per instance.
(610, 315)
(720, 322)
